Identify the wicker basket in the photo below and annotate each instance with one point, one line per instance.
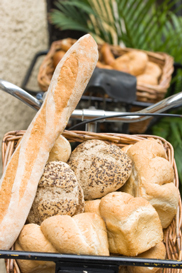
(145, 92)
(172, 235)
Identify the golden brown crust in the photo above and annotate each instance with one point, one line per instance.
(32, 239)
(105, 66)
(150, 75)
(133, 225)
(153, 179)
(147, 79)
(133, 62)
(58, 55)
(84, 233)
(20, 179)
(107, 55)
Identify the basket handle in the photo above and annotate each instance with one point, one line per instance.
(159, 107)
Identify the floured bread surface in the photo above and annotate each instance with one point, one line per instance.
(20, 179)
(99, 167)
(152, 178)
(84, 233)
(58, 193)
(133, 224)
(61, 150)
(31, 239)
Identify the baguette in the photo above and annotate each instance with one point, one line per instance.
(20, 180)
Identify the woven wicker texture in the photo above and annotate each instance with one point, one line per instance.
(172, 235)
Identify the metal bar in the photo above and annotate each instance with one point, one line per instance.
(91, 260)
(162, 106)
(30, 69)
(20, 94)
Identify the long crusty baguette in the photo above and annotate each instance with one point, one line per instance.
(19, 182)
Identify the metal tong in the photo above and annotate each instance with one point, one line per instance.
(87, 114)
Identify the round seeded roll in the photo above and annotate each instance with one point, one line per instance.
(100, 168)
(132, 223)
(58, 193)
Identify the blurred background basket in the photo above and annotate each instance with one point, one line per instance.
(145, 92)
(172, 235)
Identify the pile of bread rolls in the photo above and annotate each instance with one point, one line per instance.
(135, 62)
(97, 199)
(100, 199)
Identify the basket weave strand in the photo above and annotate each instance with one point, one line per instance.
(172, 235)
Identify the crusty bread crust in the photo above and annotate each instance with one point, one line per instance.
(153, 179)
(20, 179)
(133, 225)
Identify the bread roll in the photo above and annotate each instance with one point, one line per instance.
(58, 193)
(61, 150)
(153, 179)
(133, 225)
(150, 75)
(105, 66)
(133, 62)
(107, 55)
(147, 79)
(32, 239)
(20, 179)
(99, 167)
(156, 252)
(93, 206)
(84, 233)
(153, 69)
(58, 55)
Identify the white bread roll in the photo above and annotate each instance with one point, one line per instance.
(133, 225)
(84, 233)
(156, 252)
(153, 179)
(133, 62)
(58, 193)
(93, 206)
(61, 150)
(20, 179)
(32, 239)
(100, 168)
